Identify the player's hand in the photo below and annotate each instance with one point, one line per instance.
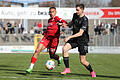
(65, 25)
(60, 24)
(61, 32)
(66, 39)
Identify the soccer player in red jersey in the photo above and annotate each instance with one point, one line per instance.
(50, 39)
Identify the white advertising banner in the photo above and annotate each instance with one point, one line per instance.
(33, 13)
(65, 13)
(24, 13)
(104, 49)
(16, 49)
(30, 49)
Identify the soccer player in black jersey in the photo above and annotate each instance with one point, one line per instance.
(80, 39)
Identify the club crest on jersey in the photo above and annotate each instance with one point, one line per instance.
(85, 47)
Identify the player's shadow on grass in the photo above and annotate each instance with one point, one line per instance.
(15, 71)
(11, 70)
(47, 73)
(117, 77)
(72, 74)
(5, 66)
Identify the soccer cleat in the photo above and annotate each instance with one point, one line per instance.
(93, 74)
(67, 70)
(28, 71)
(60, 61)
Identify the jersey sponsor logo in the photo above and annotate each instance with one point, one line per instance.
(50, 24)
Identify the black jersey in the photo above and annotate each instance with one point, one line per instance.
(80, 23)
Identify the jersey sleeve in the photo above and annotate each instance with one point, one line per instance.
(84, 24)
(74, 16)
(60, 20)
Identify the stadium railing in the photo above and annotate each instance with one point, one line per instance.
(28, 39)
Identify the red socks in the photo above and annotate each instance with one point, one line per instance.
(33, 60)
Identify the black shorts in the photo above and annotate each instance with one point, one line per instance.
(82, 48)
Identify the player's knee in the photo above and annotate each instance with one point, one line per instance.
(64, 49)
(38, 51)
(82, 61)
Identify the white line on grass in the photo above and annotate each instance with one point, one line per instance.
(14, 77)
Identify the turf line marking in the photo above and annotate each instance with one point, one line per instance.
(14, 77)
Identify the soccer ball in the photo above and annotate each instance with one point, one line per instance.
(50, 64)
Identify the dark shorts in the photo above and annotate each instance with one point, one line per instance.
(82, 48)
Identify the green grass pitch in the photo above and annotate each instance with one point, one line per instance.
(13, 66)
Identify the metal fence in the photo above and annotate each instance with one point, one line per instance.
(28, 39)
(16, 39)
(105, 40)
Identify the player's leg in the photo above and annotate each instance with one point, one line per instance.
(83, 50)
(87, 65)
(41, 46)
(55, 56)
(52, 51)
(66, 48)
(34, 57)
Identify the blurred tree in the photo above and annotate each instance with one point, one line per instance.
(115, 3)
(47, 4)
(88, 3)
(69, 3)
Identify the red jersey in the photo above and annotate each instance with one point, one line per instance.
(53, 29)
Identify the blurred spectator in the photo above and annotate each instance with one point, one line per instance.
(5, 30)
(35, 24)
(25, 33)
(63, 29)
(6, 37)
(102, 27)
(32, 34)
(112, 28)
(97, 30)
(116, 28)
(1, 27)
(9, 25)
(40, 28)
(36, 29)
(107, 28)
(21, 28)
(69, 30)
(16, 28)
(12, 26)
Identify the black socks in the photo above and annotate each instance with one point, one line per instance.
(54, 56)
(66, 61)
(89, 68)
